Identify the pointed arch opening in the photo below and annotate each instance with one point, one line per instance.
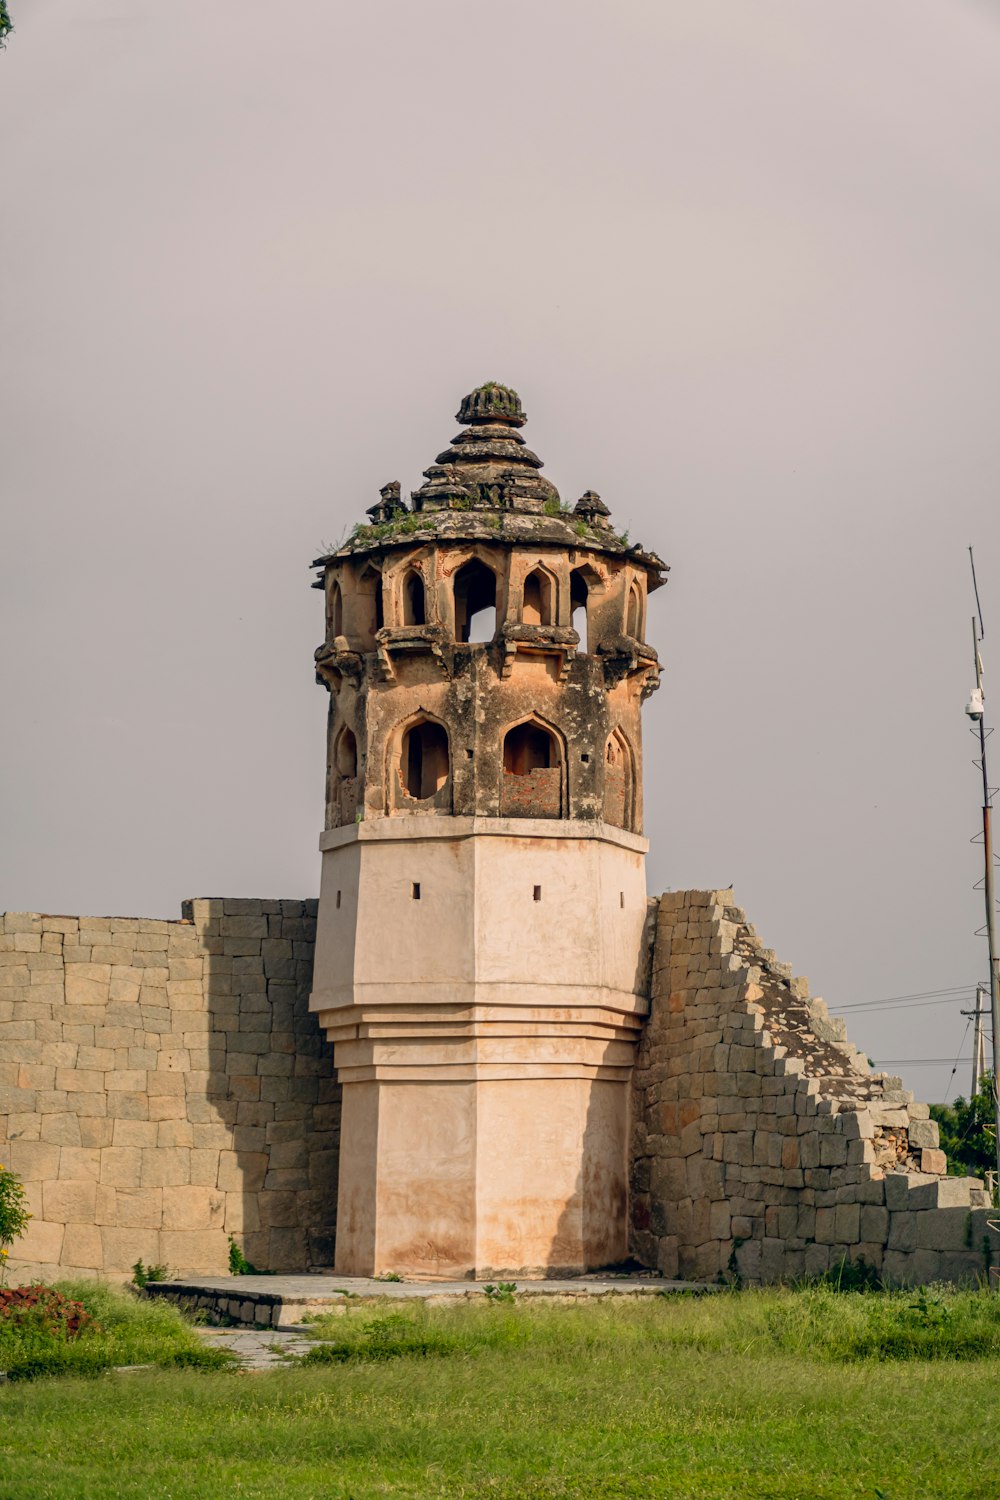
(580, 587)
(532, 777)
(346, 753)
(475, 602)
(371, 610)
(424, 760)
(633, 613)
(619, 781)
(344, 790)
(414, 599)
(335, 612)
(539, 598)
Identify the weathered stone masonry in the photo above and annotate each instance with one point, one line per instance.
(762, 1142)
(162, 1085)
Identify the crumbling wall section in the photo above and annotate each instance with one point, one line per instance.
(163, 1085)
(763, 1144)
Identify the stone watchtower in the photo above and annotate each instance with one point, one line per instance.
(480, 958)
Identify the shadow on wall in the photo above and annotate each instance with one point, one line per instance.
(593, 1229)
(271, 1089)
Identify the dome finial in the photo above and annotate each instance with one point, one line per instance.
(491, 402)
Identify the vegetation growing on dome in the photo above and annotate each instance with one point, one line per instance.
(489, 386)
(401, 525)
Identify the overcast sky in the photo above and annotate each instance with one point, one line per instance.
(740, 260)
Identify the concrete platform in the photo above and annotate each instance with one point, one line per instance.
(283, 1301)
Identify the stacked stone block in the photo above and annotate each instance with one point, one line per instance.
(763, 1144)
(163, 1085)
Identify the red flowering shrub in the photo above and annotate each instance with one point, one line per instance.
(44, 1308)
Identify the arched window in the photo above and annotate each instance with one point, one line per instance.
(529, 747)
(414, 612)
(344, 779)
(335, 612)
(346, 753)
(370, 590)
(532, 772)
(539, 599)
(475, 602)
(424, 761)
(633, 617)
(619, 781)
(579, 592)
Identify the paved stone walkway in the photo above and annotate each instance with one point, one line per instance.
(283, 1301)
(258, 1349)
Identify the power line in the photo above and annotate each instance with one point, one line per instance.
(954, 1070)
(962, 989)
(899, 1004)
(919, 1062)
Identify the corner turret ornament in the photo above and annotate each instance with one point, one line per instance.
(592, 509)
(388, 506)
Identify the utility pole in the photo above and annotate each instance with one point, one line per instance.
(976, 712)
(978, 1041)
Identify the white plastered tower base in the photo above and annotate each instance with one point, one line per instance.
(481, 979)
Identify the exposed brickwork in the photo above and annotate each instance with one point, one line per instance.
(536, 794)
(614, 794)
(162, 1085)
(762, 1142)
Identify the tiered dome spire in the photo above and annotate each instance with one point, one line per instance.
(487, 466)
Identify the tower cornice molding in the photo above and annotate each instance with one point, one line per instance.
(408, 828)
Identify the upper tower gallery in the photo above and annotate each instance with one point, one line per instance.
(485, 650)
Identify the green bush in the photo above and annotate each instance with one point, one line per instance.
(239, 1265)
(967, 1131)
(120, 1328)
(142, 1274)
(14, 1215)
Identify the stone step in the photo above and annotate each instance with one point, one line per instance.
(914, 1191)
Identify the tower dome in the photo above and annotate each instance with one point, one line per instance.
(488, 464)
(487, 605)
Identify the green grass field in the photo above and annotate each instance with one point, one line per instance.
(749, 1394)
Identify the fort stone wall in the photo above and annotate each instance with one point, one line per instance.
(763, 1144)
(163, 1085)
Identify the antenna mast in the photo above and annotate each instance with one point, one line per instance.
(976, 712)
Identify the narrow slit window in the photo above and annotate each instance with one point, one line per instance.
(415, 890)
(633, 614)
(336, 611)
(621, 899)
(338, 900)
(538, 893)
